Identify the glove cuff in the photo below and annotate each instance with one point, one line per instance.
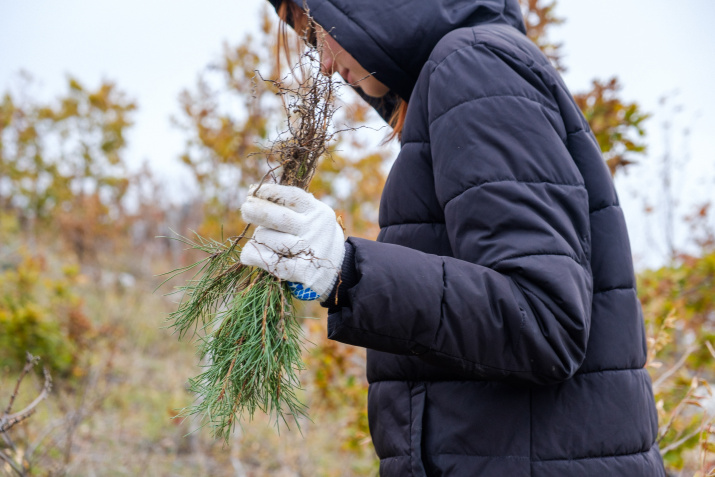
(347, 279)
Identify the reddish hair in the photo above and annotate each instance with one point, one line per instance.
(290, 13)
(397, 120)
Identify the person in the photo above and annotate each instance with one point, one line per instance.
(498, 305)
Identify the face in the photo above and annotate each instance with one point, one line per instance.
(334, 58)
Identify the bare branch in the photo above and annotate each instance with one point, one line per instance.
(710, 348)
(14, 465)
(7, 421)
(664, 377)
(680, 442)
(29, 364)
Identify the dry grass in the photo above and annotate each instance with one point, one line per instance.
(116, 419)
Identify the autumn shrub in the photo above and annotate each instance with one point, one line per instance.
(62, 168)
(41, 314)
(679, 308)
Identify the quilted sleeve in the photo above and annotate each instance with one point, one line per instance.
(515, 299)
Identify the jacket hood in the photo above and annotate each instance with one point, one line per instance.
(393, 38)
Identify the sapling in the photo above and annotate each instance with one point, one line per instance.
(248, 335)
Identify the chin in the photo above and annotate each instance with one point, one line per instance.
(373, 93)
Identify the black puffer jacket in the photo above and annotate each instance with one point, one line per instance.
(498, 306)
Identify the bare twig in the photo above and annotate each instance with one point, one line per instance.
(674, 369)
(11, 462)
(7, 420)
(710, 348)
(673, 415)
(680, 442)
(29, 364)
(73, 415)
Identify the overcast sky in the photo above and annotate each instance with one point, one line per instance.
(154, 49)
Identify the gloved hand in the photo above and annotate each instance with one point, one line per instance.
(298, 239)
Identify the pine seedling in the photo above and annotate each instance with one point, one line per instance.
(243, 318)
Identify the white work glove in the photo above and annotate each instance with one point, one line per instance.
(298, 239)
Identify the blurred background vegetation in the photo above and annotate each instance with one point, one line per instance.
(79, 260)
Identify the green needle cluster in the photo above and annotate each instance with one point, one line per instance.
(250, 339)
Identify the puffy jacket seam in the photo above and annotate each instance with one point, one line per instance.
(414, 142)
(577, 131)
(524, 457)
(601, 209)
(515, 180)
(496, 368)
(404, 456)
(414, 223)
(604, 456)
(502, 14)
(611, 370)
(361, 330)
(410, 436)
(454, 52)
(610, 289)
(441, 305)
(531, 427)
(534, 254)
(614, 370)
(493, 96)
(535, 67)
(492, 49)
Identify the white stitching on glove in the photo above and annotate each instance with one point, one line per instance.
(297, 239)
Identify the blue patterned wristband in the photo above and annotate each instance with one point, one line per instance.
(301, 292)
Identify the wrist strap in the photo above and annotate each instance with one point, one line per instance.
(302, 292)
